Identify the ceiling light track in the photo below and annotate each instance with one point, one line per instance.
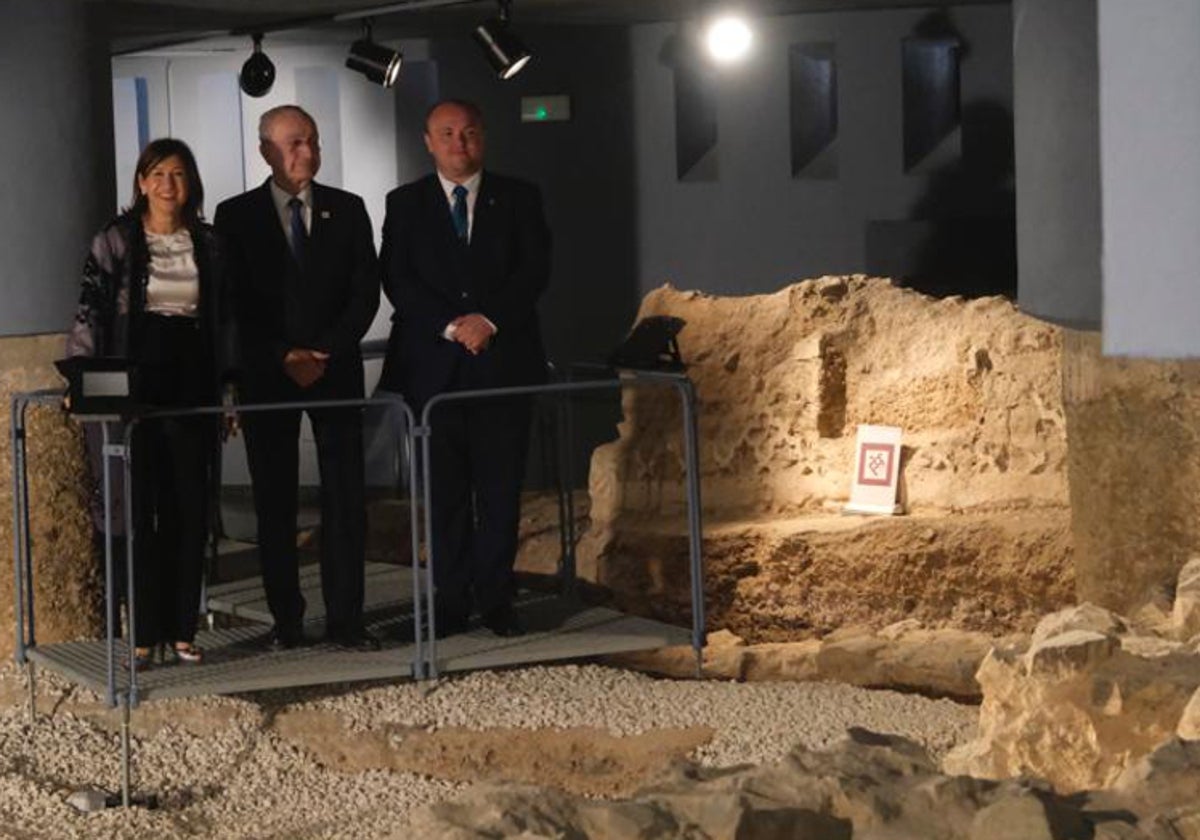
(502, 47)
(300, 22)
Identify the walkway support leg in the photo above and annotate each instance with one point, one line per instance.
(695, 532)
(31, 681)
(125, 799)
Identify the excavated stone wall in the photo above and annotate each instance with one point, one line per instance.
(783, 380)
(68, 589)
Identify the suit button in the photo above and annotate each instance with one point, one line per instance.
(464, 295)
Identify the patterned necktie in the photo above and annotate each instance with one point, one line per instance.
(299, 234)
(459, 212)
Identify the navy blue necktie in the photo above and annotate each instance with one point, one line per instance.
(459, 212)
(299, 233)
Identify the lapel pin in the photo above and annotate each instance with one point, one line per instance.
(325, 214)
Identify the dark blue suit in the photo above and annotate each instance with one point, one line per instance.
(326, 304)
(478, 449)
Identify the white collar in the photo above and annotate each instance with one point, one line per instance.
(472, 185)
(282, 196)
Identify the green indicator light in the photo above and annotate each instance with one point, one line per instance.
(541, 113)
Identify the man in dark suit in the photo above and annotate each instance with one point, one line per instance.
(305, 286)
(465, 256)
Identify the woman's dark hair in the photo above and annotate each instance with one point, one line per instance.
(156, 152)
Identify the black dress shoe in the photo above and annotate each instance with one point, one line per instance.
(360, 640)
(503, 622)
(286, 638)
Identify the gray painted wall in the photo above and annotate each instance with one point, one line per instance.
(1058, 159)
(55, 95)
(1150, 171)
(755, 229)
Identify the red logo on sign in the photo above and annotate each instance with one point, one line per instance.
(875, 464)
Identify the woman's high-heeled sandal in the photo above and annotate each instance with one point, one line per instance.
(189, 654)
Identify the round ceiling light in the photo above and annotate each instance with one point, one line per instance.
(728, 39)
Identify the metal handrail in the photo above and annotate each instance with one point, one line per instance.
(687, 393)
(23, 569)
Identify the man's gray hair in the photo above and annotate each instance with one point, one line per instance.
(268, 117)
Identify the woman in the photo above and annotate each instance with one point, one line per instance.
(151, 294)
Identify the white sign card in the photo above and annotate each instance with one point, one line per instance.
(876, 471)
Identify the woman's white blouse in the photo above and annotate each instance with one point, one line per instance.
(174, 287)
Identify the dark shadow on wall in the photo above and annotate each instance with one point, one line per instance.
(970, 247)
(585, 168)
(695, 105)
(960, 236)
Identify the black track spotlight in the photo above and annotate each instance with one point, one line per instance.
(258, 73)
(503, 49)
(378, 63)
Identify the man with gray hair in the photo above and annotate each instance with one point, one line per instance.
(305, 288)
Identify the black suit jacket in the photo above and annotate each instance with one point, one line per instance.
(326, 305)
(431, 278)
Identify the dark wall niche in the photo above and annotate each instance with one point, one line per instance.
(932, 108)
(695, 123)
(812, 76)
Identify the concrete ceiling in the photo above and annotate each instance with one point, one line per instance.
(144, 24)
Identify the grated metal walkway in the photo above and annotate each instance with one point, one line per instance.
(238, 659)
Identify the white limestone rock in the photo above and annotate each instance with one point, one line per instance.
(1078, 706)
(1186, 615)
(1163, 779)
(1016, 818)
(869, 785)
(1082, 617)
(1189, 721)
(940, 662)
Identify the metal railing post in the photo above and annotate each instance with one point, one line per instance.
(26, 536)
(110, 583)
(130, 536)
(687, 392)
(424, 432)
(414, 514)
(17, 434)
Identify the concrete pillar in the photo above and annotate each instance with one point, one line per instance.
(1056, 132)
(56, 162)
(1150, 175)
(1108, 206)
(56, 154)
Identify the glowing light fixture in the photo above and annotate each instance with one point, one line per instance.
(378, 63)
(501, 46)
(728, 39)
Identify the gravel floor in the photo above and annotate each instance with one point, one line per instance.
(221, 769)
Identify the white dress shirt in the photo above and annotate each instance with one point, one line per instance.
(472, 185)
